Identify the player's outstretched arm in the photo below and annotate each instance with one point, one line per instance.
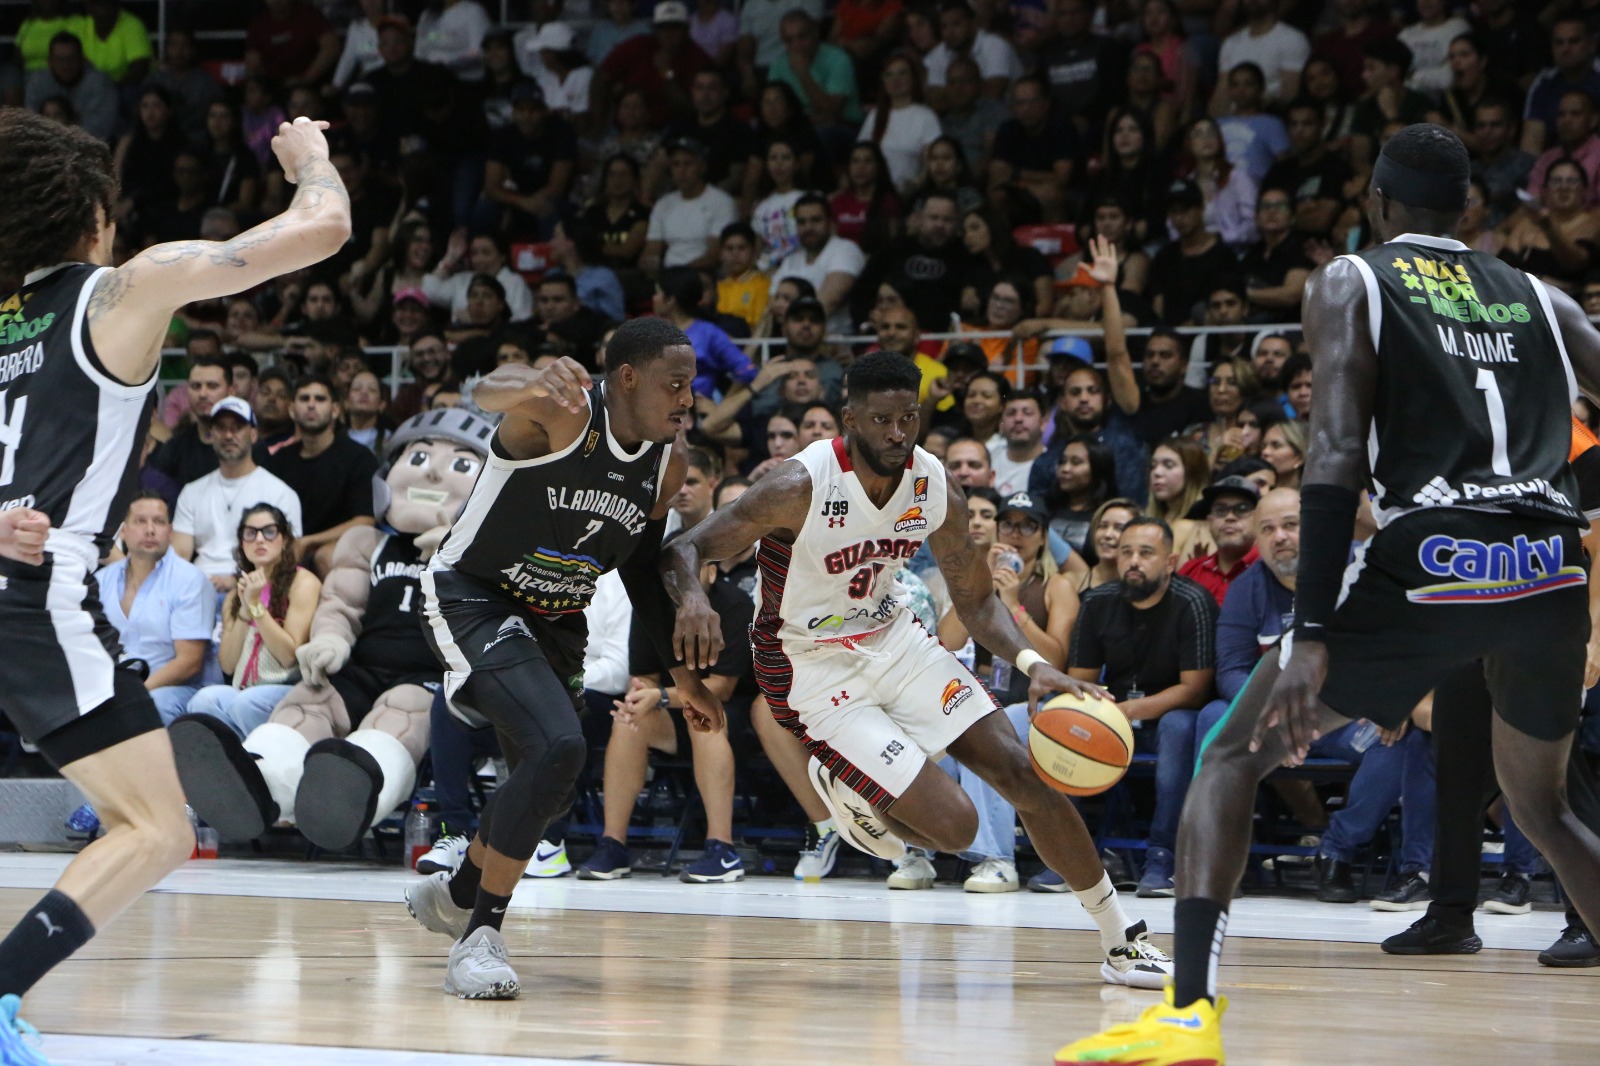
(131, 307)
(1581, 339)
(966, 573)
(544, 409)
(774, 505)
(1336, 328)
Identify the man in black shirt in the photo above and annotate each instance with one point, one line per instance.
(331, 473)
(1036, 153)
(1150, 638)
(728, 141)
(927, 267)
(574, 328)
(1276, 267)
(1162, 405)
(1311, 173)
(187, 456)
(405, 86)
(531, 163)
(1182, 270)
(1081, 67)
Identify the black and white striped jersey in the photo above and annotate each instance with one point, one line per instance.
(69, 431)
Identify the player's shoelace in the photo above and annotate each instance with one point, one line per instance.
(1144, 949)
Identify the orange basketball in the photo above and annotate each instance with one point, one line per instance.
(1079, 745)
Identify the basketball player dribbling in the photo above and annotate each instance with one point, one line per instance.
(578, 482)
(79, 348)
(1443, 374)
(846, 666)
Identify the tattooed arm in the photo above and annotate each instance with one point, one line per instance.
(965, 567)
(775, 506)
(131, 307)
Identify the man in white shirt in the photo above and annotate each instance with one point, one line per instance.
(959, 36)
(686, 224)
(1277, 48)
(1022, 425)
(829, 262)
(205, 528)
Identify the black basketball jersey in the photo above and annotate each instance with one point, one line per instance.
(542, 531)
(391, 627)
(69, 431)
(1473, 384)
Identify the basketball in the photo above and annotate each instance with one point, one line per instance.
(1079, 745)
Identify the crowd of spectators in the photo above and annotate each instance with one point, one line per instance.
(1034, 201)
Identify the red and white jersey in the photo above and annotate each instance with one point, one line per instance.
(839, 580)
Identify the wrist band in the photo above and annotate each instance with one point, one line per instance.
(1027, 659)
(664, 704)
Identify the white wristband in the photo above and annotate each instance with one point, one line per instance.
(1027, 659)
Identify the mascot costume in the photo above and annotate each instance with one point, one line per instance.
(341, 750)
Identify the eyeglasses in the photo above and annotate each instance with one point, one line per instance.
(266, 533)
(1216, 380)
(1025, 528)
(1237, 510)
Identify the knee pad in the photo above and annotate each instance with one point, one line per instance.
(538, 791)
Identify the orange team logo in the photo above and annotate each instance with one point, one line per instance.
(911, 522)
(954, 695)
(919, 490)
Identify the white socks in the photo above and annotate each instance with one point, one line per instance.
(1106, 909)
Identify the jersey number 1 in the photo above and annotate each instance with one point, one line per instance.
(10, 436)
(1499, 462)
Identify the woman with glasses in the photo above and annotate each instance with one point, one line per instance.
(1044, 604)
(265, 619)
(1553, 241)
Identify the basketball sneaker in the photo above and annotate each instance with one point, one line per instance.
(1411, 894)
(819, 855)
(1575, 947)
(912, 871)
(854, 816)
(611, 860)
(1047, 880)
(993, 875)
(1163, 1036)
(717, 864)
(430, 904)
(17, 1037)
(479, 968)
(549, 860)
(1511, 897)
(1430, 936)
(1138, 963)
(446, 854)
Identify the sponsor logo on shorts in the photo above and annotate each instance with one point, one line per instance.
(955, 694)
(911, 522)
(1493, 572)
(1440, 493)
(511, 627)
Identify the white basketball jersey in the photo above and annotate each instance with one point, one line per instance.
(839, 580)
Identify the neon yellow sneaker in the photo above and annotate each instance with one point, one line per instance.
(1163, 1036)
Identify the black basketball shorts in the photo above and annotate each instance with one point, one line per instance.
(1442, 587)
(59, 681)
(473, 630)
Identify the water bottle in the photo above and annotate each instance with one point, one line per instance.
(1363, 736)
(194, 828)
(1000, 678)
(419, 837)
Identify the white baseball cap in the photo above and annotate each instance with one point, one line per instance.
(671, 11)
(553, 36)
(236, 407)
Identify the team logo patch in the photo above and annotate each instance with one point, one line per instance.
(589, 445)
(511, 627)
(955, 694)
(1493, 572)
(919, 490)
(911, 522)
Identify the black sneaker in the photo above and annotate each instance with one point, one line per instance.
(1511, 897)
(1430, 936)
(1576, 947)
(1335, 883)
(1411, 894)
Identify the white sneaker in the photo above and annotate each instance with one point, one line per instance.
(447, 853)
(549, 860)
(1137, 963)
(913, 870)
(479, 968)
(854, 816)
(993, 875)
(430, 904)
(816, 862)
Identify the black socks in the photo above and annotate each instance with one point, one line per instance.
(464, 883)
(490, 910)
(54, 929)
(1197, 946)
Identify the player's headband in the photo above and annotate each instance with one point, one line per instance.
(1422, 189)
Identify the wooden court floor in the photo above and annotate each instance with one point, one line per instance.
(730, 991)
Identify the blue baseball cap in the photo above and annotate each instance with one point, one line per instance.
(1071, 348)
